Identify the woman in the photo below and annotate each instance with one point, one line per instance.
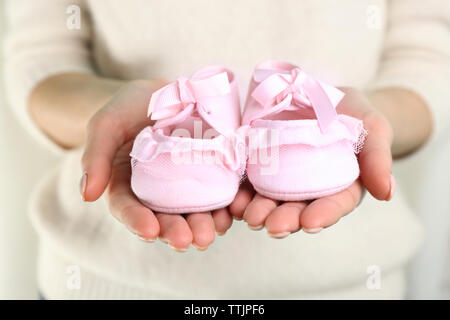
(89, 87)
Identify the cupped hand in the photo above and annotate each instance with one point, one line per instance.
(106, 167)
(375, 162)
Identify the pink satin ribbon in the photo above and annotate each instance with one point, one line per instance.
(175, 102)
(280, 90)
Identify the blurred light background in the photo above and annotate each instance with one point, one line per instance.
(22, 162)
(425, 177)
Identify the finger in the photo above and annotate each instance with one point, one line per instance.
(104, 138)
(258, 210)
(326, 211)
(175, 231)
(284, 219)
(125, 207)
(241, 200)
(222, 220)
(375, 159)
(202, 227)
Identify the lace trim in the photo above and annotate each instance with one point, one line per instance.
(358, 145)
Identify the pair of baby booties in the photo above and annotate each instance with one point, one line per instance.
(290, 142)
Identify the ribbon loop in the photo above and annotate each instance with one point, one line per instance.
(280, 90)
(177, 101)
(186, 95)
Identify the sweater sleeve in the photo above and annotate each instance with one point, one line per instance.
(44, 38)
(416, 54)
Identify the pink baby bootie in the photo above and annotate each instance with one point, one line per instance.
(191, 159)
(299, 147)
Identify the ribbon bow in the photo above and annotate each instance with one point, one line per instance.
(280, 90)
(175, 102)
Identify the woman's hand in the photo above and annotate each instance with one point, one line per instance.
(106, 165)
(375, 161)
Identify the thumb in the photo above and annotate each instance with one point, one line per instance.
(104, 138)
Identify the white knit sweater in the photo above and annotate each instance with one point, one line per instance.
(354, 43)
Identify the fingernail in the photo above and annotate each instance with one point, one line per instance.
(163, 240)
(392, 190)
(83, 184)
(199, 248)
(256, 228)
(237, 219)
(279, 235)
(178, 249)
(220, 233)
(146, 239)
(313, 230)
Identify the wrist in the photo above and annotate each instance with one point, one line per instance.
(408, 116)
(62, 104)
